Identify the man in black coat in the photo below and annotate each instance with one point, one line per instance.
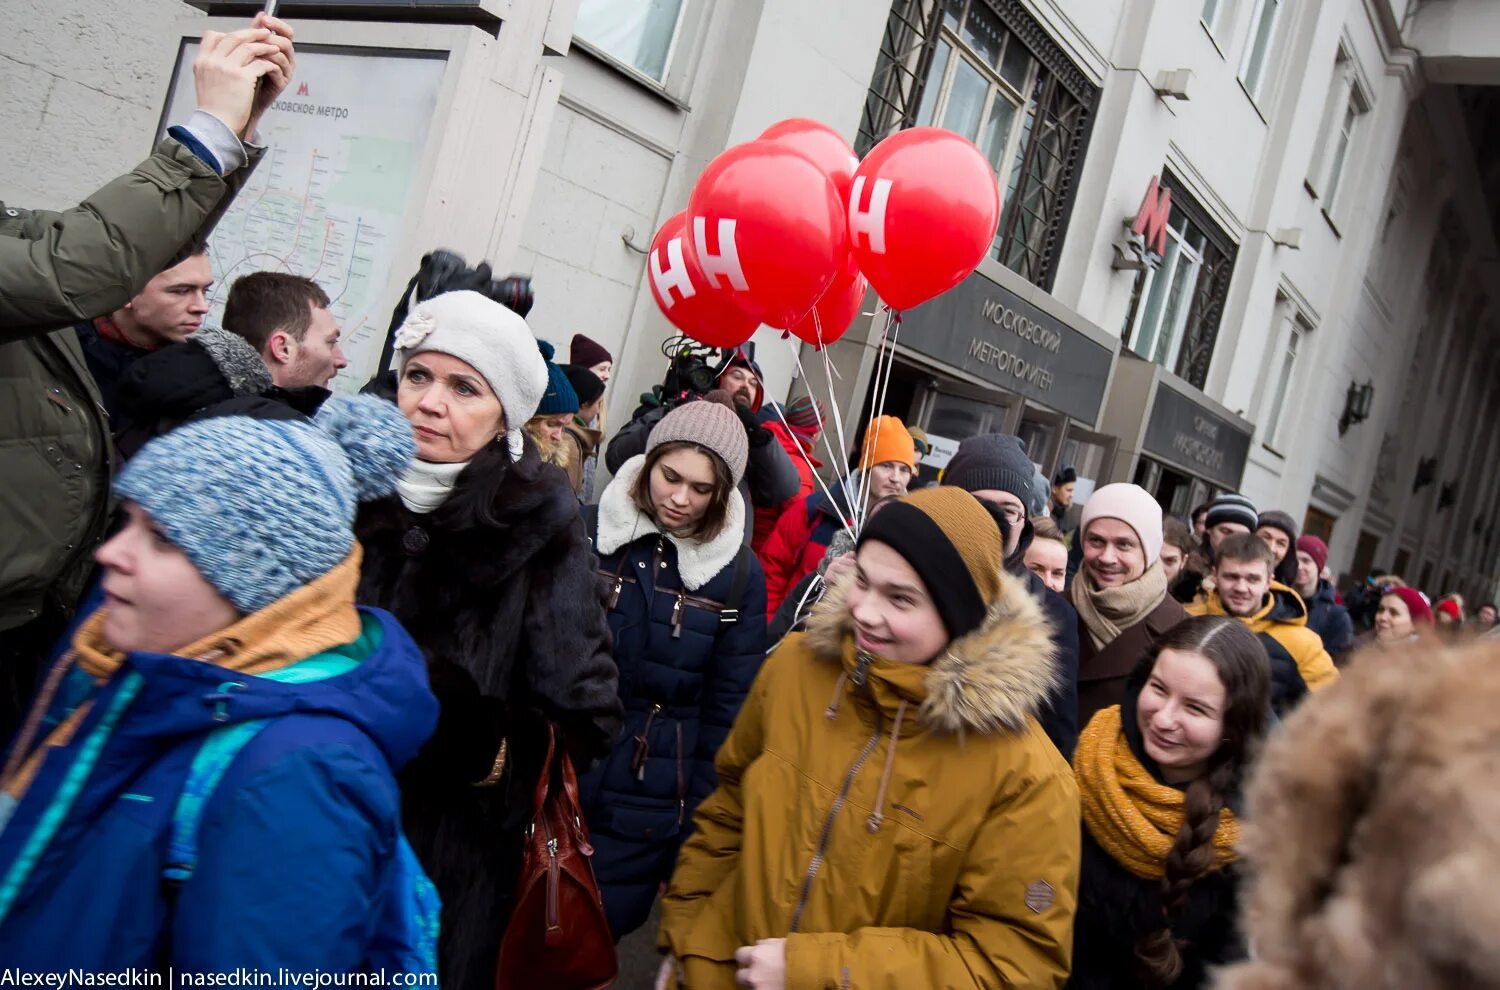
(995, 468)
(162, 389)
(166, 311)
(770, 476)
(1325, 616)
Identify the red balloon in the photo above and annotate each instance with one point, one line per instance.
(922, 213)
(822, 144)
(836, 310)
(768, 229)
(684, 294)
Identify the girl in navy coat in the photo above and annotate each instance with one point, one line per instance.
(206, 780)
(687, 607)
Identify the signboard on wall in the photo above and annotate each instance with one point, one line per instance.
(330, 199)
(411, 9)
(985, 329)
(1195, 438)
(943, 450)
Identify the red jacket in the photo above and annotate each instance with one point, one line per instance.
(798, 542)
(801, 454)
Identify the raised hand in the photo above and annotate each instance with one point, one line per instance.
(227, 70)
(284, 65)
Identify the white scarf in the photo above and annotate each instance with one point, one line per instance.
(426, 485)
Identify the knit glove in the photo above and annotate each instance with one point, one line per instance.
(757, 434)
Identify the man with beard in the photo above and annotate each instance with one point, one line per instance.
(770, 476)
(1243, 588)
(1120, 593)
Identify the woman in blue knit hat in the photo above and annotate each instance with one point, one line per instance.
(554, 413)
(206, 779)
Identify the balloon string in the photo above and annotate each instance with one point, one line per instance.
(814, 591)
(841, 457)
(882, 390)
(807, 457)
(838, 458)
(872, 439)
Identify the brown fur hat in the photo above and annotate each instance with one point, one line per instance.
(1373, 836)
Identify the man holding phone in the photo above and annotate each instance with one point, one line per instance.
(58, 269)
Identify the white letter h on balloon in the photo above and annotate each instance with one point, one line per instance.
(727, 261)
(674, 276)
(870, 222)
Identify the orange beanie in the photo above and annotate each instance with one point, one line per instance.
(887, 439)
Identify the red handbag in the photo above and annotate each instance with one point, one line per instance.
(558, 936)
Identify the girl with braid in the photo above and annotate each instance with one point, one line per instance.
(1159, 779)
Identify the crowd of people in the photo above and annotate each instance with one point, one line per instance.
(285, 671)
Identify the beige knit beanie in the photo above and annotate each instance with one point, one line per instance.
(710, 422)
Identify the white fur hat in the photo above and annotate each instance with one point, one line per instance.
(493, 340)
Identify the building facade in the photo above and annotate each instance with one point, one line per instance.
(1244, 245)
(1315, 321)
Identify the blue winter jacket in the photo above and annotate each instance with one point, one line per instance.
(1330, 620)
(684, 674)
(295, 845)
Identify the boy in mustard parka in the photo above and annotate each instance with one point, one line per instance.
(889, 813)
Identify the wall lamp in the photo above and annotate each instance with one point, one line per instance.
(1173, 84)
(1426, 474)
(1356, 405)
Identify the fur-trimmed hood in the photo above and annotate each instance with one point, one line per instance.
(698, 561)
(1371, 841)
(987, 681)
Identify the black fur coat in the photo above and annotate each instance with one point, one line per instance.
(509, 617)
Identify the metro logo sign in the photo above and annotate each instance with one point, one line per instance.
(1150, 222)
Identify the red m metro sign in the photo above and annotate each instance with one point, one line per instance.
(1151, 219)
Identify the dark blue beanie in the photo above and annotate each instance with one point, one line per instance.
(560, 396)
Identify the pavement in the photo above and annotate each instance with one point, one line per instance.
(639, 959)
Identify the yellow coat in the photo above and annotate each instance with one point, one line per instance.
(1283, 617)
(914, 830)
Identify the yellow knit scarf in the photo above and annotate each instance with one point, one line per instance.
(1132, 817)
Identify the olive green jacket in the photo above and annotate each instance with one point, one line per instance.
(58, 269)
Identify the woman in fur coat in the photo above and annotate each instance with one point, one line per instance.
(688, 612)
(484, 559)
(1159, 779)
(1371, 841)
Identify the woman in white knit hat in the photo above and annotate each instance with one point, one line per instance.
(483, 557)
(687, 607)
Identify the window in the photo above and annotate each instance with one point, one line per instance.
(1255, 71)
(1347, 103)
(1218, 17)
(982, 68)
(638, 33)
(1340, 150)
(1285, 368)
(1175, 307)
